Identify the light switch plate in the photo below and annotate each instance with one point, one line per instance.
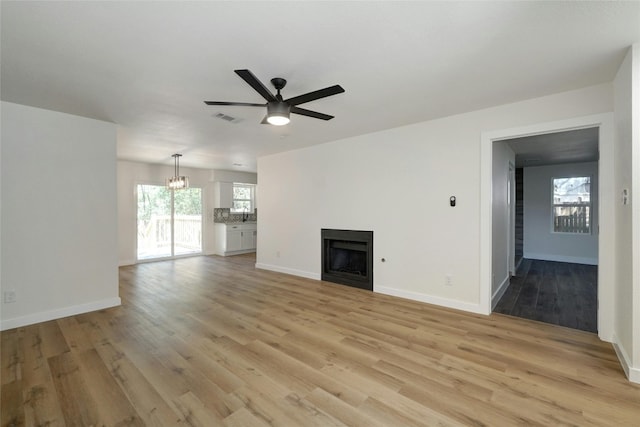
(9, 297)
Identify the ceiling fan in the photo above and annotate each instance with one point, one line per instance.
(278, 109)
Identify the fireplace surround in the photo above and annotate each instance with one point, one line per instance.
(347, 257)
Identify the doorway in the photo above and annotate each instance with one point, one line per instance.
(557, 282)
(169, 222)
(605, 271)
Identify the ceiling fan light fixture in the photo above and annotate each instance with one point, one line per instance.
(278, 109)
(278, 113)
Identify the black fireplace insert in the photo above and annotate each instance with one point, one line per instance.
(347, 257)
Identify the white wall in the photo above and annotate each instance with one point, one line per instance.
(1, 295)
(235, 176)
(130, 174)
(398, 183)
(635, 195)
(59, 249)
(539, 241)
(503, 156)
(627, 217)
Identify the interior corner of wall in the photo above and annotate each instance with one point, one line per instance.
(632, 372)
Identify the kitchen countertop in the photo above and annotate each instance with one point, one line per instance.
(237, 223)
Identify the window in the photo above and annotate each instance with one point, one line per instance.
(572, 205)
(243, 197)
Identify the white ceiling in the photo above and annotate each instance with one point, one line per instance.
(147, 66)
(572, 146)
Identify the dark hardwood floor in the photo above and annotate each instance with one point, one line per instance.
(559, 293)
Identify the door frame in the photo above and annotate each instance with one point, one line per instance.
(511, 229)
(606, 248)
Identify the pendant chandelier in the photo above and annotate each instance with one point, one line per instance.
(177, 182)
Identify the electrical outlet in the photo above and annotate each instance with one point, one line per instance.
(9, 297)
(448, 280)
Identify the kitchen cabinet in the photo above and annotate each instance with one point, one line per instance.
(248, 238)
(223, 194)
(235, 238)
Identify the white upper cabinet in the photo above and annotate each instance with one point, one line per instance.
(223, 194)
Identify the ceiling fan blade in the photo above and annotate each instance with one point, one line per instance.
(241, 104)
(253, 81)
(312, 96)
(309, 113)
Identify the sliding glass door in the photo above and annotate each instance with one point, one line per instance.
(187, 221)
(169, 222)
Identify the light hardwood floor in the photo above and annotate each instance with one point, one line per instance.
(211, 341)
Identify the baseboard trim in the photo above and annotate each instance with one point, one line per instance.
(495, 298)
(562, 258)
(127, 262)
(415, 296)
(518, 264)
(239, 252)
(59, 313)
(286, 270)
(633, 374)
(430, 299)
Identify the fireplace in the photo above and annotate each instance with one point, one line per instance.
(347, 257)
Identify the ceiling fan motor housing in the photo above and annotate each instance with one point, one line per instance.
(278, 108)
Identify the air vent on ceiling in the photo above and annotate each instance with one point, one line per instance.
(227, 118)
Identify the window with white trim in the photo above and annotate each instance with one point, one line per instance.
(571, 210)
(243, 198)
